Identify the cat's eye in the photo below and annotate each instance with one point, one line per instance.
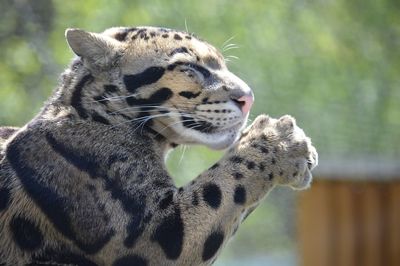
(202, 70)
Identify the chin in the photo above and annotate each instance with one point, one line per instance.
(221, 139)
(218, 140)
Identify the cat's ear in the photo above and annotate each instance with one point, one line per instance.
(99, 50)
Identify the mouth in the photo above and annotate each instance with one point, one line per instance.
(190, 131)
(223, 138)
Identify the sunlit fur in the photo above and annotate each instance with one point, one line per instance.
(85, 181)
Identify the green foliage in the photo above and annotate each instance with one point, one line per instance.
(333, 64)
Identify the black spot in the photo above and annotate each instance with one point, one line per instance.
(262, 167)
(189, 94)
(160, 96)
(212, 195)
(169, 235)
(250, 165)
(264, 150)
(4, 198)
(212, 244)
(167, 200)
(25, 233)
(99, 119)
(237, 175)
(76, 98)
(148, 76)
(56, 258)
(182, 50)
(165, 35)
(188, 37)
(273, 161)
(239, 196)
(174, 145)
(110, 88)
(177, 37)
(120, 36)
(236, 159)
(195, 198)
(140, 33)
(270, 176)
(204, 100)
(130, 260)
(180, 190)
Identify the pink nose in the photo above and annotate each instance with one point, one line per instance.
(246, 102)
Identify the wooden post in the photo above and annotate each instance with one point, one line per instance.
(345, 222)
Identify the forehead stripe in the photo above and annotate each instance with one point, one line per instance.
(148, 76)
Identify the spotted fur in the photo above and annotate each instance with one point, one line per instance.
(84, 182)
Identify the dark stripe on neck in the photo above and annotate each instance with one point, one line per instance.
(76, 99)
(53, 205)
(130, 203)
(149, 76)
(83, 162)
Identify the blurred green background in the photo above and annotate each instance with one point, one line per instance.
(333, 64)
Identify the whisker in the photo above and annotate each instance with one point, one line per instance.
(132, 110)
(139, 120)
(227, 41)
(182, 154)
(233, 57)
(186, 26)
(230, 48)
(172, 124)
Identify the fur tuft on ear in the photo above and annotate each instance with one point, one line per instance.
(100, 50)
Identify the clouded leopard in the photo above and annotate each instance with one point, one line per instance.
(85, 183)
